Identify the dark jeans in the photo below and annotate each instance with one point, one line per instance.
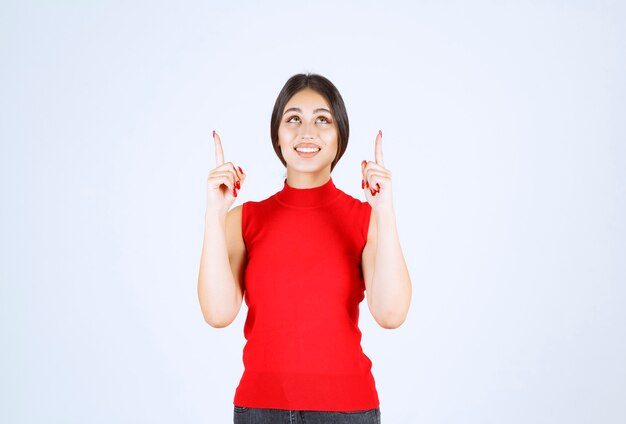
(244, 415)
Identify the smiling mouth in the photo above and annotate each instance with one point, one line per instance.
(307, 149)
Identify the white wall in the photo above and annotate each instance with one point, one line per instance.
(503, 125)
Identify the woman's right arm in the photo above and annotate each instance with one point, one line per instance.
(220, 282)
(222, 263)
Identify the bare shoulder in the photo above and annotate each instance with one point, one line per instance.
(236, 246)
(235, 213)
(368, 256)
(233, 223)
(371, 229)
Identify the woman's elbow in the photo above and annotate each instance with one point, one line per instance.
(391, 320)
(218, 320)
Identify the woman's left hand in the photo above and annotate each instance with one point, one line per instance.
(376, 180)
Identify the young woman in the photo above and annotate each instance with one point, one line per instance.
(303, 259)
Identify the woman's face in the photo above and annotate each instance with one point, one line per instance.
(307, 134)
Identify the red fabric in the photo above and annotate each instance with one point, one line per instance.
(303, 288)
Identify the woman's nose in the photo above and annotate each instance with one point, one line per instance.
(307, 131)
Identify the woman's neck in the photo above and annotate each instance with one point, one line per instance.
(298, 179)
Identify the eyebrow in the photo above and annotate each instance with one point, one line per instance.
(297, 109)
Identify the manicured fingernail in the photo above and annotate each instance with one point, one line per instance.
(362, 184)
(238, 185)
(240, 170)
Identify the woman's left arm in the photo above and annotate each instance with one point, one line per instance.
(387, 280)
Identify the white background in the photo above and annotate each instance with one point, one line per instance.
(503, 126)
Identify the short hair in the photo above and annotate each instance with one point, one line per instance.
(326, 89)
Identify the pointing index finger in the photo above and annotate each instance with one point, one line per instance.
(219, 151)
(378, 149)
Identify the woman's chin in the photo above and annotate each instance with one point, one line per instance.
(308, 169)
(308, 166)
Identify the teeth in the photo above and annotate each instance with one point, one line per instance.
(307, 149)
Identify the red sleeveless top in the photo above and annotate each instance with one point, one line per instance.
(303, 286)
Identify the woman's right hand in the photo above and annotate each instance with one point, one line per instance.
(223, 182)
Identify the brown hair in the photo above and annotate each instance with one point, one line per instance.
(325, 88)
